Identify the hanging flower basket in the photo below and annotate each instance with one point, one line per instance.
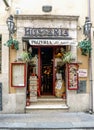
(14, 44)
(85, 47)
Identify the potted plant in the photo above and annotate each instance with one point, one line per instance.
(12, 43)
(67, 57)
(25, 56)
(85, 46)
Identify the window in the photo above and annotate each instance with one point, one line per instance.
(82, 86)
(0, 52)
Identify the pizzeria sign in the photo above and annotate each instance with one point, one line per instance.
(51, 42)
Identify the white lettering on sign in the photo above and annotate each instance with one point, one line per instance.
(51, 42)
(82, 72)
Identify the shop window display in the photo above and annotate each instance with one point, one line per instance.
(60, 68)
(32, 75)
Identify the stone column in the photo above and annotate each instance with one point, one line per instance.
(20, 100)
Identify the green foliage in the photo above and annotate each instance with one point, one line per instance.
(67, 57)
(11, 42)
(26, 56)
(85, 46)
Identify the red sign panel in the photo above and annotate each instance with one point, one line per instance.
(73, 76)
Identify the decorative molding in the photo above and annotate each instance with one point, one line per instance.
(44, 17)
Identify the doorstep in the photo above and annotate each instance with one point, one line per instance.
(47, 103)
(47, 106)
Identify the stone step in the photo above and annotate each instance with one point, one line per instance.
(47, 106)
(52, 107)
(48, 103)
(50, 99)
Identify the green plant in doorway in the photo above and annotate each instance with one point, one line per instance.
(26, 56)
(12, 43)
(67, 57)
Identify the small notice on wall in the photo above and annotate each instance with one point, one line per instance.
(82, 72)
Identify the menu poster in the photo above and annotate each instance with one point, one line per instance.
(18, 74)
(73, 76)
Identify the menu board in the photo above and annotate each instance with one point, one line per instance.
(73, 76)
(18, 74)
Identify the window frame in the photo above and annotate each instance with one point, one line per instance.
(0, 53)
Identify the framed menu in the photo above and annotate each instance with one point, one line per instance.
(18, 74)
(73, 76)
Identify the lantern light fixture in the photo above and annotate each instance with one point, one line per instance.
(87, 27)
(11, 25)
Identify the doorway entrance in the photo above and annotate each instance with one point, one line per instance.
(46, 70)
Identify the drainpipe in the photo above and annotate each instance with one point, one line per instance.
(6, 3)
(90, 65)
(89, 11)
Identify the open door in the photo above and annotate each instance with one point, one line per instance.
(46, 70)
(46, 65)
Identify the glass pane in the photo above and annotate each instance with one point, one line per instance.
(18, 71)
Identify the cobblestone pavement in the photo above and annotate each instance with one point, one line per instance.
(43, 120)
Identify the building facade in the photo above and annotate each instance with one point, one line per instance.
(47, 32)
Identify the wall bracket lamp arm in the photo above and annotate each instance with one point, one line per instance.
(6, 3)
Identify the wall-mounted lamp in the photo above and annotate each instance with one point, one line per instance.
(11, 26)
(47, 8)
(78, 27)
(6, 3)
(87, 27)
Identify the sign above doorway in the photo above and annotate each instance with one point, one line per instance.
(48, 36)
(50, 42)
(52, 33)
